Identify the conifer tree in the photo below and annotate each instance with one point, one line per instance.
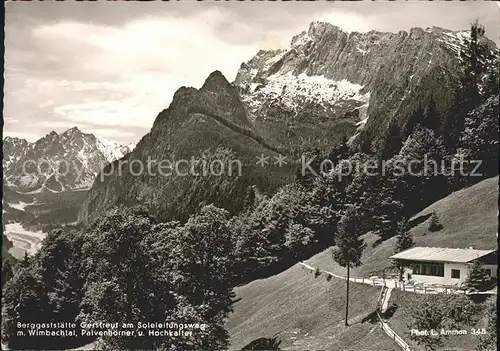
(475, 60)
(349, 247)
(306, 176)
(431, 116)
(477, 279)
(392, 141)
(7, 272)
(340, 151)
(434, 225)
(475, 56)
(413, 120)
(25, 262)
(404, 241)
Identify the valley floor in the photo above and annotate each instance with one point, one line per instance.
(23, 240)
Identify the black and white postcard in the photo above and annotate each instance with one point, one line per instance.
(250, 175)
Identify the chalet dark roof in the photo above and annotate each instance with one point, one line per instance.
(441, 254)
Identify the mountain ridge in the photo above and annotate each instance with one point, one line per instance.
(205, 124)
(43, 160)
(328, 85)
(391, 73)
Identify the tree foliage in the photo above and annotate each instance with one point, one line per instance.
(7, 272)
(349, 245)
(128, 268)
(434, 224)
(488, 341)
(404, 239)
(436, 312)
(478, 81)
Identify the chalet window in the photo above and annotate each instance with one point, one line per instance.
(455, 273)
(488, 271)
(433, 269)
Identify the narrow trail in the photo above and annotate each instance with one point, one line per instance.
(394, 284)
(387, 297)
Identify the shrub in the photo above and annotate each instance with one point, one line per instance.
(317, 273)
(447, 311)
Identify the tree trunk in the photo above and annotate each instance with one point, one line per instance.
(347, 296)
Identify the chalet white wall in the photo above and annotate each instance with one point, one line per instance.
(447, 279)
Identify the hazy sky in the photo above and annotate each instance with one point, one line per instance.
(111, 67)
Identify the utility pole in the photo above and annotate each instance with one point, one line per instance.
(347, 297)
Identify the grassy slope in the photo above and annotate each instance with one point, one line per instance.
(305, 312)
(469, 217)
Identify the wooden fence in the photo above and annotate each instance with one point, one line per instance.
(385, 327)
(392, 334)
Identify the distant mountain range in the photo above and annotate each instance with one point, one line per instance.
(328, 85)
(58, 162)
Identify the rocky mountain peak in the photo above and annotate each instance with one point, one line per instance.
(217, 97)
(14, 140)
(72, 131)
(216, 82)
(317, 29)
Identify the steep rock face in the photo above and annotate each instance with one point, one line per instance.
(13, 149)
(207, 126)
(58, 162)
(383, 76)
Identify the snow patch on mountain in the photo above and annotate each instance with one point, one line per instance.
(457, 41)
(19, 206)
(293, 90)
(111, 150)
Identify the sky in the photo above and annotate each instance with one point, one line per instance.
(110, 67)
